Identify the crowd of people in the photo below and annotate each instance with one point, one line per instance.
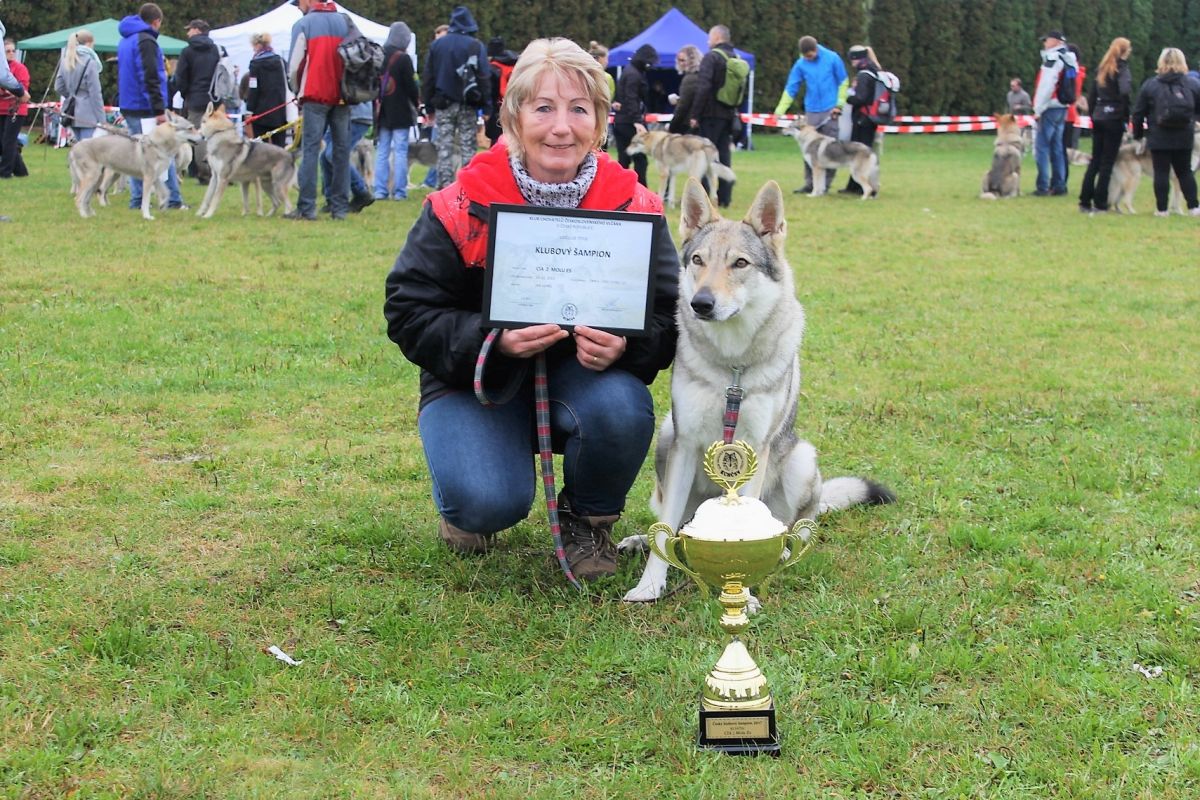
(1160, 116)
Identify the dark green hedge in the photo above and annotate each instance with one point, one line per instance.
(953, 56)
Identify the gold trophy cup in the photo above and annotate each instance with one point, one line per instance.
(731, 544)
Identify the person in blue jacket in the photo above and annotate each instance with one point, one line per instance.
(823, 75)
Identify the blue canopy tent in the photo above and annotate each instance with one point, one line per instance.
(667, 35)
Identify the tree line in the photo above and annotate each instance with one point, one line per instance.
(953, 56)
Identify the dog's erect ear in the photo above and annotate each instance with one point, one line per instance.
(208, 111)
(766, 213)
(697, 210)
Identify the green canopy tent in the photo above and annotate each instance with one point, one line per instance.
(107, 39)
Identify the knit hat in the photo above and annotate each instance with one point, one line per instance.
(646, 55)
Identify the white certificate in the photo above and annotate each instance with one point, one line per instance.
(569, 267)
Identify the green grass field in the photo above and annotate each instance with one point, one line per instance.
(208, 446)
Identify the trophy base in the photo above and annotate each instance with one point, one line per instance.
(739, 733)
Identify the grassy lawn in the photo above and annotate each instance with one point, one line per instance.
(208, 446)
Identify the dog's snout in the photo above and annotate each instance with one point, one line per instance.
(703, 303)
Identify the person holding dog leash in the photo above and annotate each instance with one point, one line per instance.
(822, 73)
(1109, 101)
(480, 389)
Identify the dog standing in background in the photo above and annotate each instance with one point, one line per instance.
(678, 155)
(823, 152)
(1004, 178)
(237, 160)
(739, 322)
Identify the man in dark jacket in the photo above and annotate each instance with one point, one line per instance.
(142, 87)
(715, 119)
(442, 89)
(193, 80)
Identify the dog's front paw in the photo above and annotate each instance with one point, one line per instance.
(645, 592)
(632, 544)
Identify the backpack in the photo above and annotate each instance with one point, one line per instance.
(882, 108)
(362, 65)
(1173, 106)
(222, 89)
(1065, 91)
(737, 75)
(468, 75)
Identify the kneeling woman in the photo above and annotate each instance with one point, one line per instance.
(478, 430)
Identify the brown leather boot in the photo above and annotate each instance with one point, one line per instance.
(587, 542)
(461, 541)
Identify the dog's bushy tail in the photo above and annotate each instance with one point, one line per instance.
(840, 493)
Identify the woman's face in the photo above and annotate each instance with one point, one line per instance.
(557, 129)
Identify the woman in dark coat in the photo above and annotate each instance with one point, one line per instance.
(397, 112)
(264, 89)
(687, 64)
(629, 107)
(862, 127)
(1170, 140)
(1109, 100)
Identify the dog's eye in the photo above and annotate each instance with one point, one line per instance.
(741, 263)
(696, 260)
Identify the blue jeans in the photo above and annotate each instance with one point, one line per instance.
(315, 118)
(391, 143)
(139, 125)
(481, 458)
(358, 187)
(1048, 151)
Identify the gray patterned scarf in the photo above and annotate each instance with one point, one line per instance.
(554, 195)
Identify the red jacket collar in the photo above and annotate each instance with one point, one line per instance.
(488, 179)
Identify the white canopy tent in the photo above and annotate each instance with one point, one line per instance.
(278, 22)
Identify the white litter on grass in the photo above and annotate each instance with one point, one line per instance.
(1148, 672)
(282, 656)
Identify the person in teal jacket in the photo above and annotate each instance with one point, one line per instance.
(823, 75)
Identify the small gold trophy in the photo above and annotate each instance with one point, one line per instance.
(731, 544)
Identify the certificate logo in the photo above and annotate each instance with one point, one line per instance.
(569, 311)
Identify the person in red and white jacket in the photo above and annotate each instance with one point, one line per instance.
(14, 105)
(315, 70)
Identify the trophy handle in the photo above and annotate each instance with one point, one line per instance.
(669, 553)
(802, 533)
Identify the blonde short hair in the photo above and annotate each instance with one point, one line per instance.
(560, 57)
(687, 59)
(263, 39)
(1171, 59)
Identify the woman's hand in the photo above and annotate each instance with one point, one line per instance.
(528, 342)
(597, 349)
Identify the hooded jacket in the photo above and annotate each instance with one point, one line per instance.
(434, 295)
(266, 88)
(632, 87)
(315, 68)
(141, 73)
(398, 93)
(1053, 62)
(194, 72)
(1151, 97)
(440, 84)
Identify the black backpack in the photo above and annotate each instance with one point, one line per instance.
(1174, 106)
(468, 75)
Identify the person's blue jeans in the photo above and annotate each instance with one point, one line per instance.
(391, 146)
(1048, 151)
(481, 458)
(138, 125)
(315, 118)
(358, 187)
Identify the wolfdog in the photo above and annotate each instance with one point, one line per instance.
(1004, 178)
(237, 160)
(739, 323)
(146, 156)
(824, 152)
(1134, 161)
(362, 158)
(677, 154)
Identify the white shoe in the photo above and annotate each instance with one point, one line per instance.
(1195, 212)
(1162, 213)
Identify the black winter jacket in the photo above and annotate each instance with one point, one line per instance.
(685, 106)
(398, 93)
(265, 88)
(862, 96)
(712, 78)
(1109, 99)
(631, 94)
(1150, 97)
(194, 72)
